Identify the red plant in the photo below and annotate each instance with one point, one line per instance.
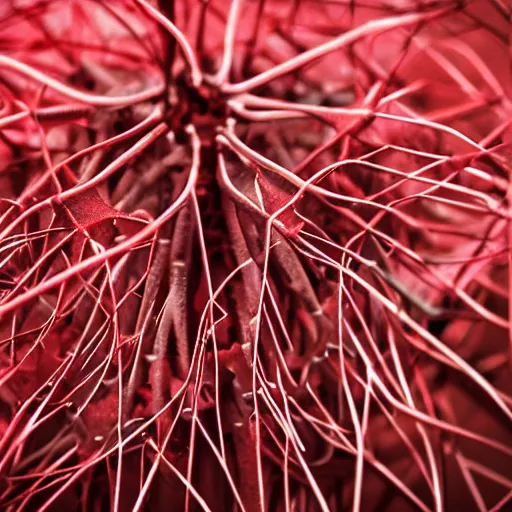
(254, 255)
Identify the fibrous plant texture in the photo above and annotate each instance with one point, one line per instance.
(254, 255)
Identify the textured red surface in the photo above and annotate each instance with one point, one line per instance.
(254, 255)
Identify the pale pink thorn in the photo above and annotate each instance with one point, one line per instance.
(488, 473)
(222, 462)
(206, 266)
(370, 28)
(470, 482)
(358, 479)
(430, 124)
(229, 41)
(188, 485)
(502, 503)
(188, 52)
(92, 99)
(280, 105)
(473, 59)
(265, 115)
(298, 452)
(434, 482)
(286, 478)
(197, 385)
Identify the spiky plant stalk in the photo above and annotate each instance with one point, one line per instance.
(254, 255)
